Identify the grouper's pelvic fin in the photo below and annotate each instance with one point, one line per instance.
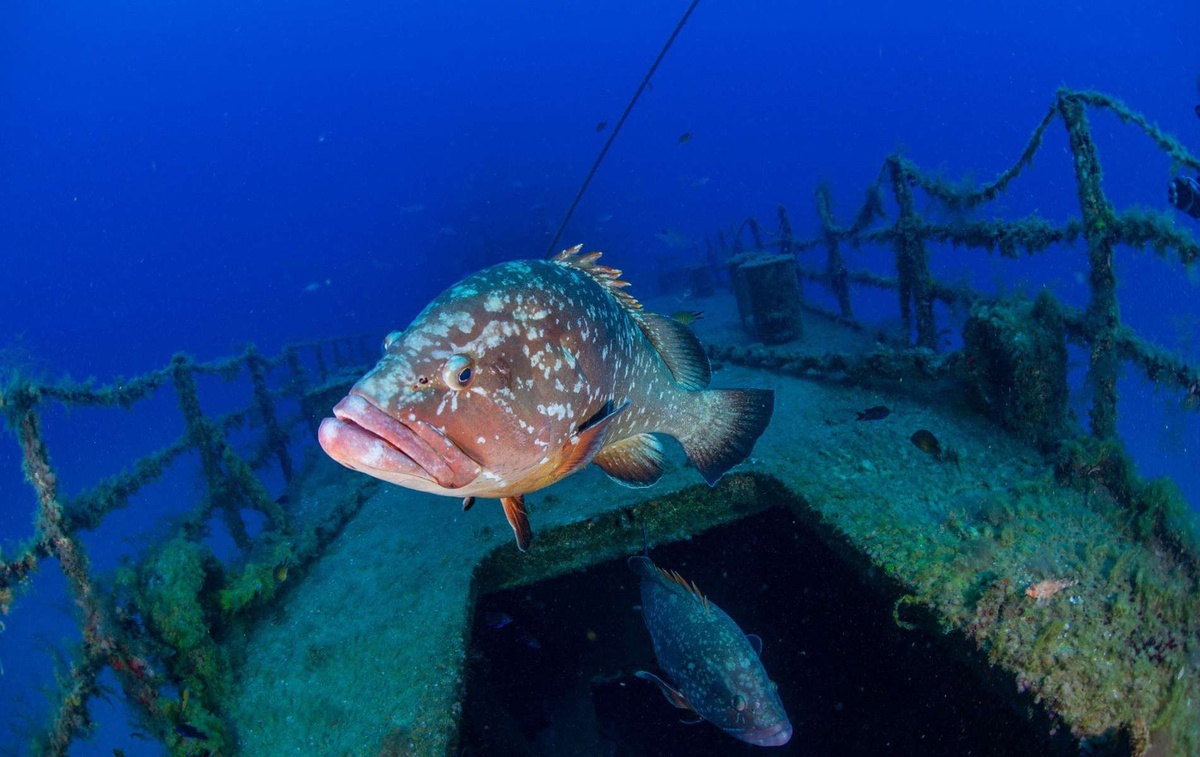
(514, 510)
(673, 696)
(722, 427)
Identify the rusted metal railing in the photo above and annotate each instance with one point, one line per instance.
(110, 639)
(1097, 327)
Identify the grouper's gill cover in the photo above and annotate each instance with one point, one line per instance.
(712, 667)
(527, 371)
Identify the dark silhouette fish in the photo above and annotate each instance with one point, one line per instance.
(503, 621)
(685, 138)
(877, 413)
(526, 372)
(600, 126)
(928, 443)
(715, 670)
(188, 731)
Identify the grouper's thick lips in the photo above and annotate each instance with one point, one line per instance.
(365, 438)
(777, 736)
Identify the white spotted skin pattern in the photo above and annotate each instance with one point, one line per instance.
(709, 660)
(550, 347)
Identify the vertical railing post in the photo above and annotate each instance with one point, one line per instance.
(277, 438)
(298, 384)
(1102, 317)
(912, 260)
(755, 232)
(203, 435)
(100, 645)
(786, 245)
(230, 479)
(835, 270)
(322, 369)
(785, 232)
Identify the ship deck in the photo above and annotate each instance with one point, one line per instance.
(368, 650)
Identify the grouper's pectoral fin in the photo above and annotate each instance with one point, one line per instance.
(514, 510)
(673, 696)
(588, 440)
(756, 642)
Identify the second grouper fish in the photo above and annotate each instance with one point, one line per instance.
(525, 372)
(714, 669)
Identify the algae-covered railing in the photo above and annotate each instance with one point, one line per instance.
(1097, 327)
(151, 629)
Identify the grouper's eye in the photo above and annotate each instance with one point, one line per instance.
(458, 372)
(739, 703)
(390, 340)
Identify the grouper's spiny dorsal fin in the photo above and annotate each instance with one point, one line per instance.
(676, 344)
(690, 588)
(605, 276)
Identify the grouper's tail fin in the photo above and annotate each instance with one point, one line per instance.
(722, 428)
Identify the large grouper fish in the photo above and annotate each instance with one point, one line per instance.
(526, 372)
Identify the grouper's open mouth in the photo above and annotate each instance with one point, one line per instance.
(363, 437)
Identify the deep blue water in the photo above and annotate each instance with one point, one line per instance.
(196, 176)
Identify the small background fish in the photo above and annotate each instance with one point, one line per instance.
(927, 442)
(504, 623)
(877, 413)
(688, 317)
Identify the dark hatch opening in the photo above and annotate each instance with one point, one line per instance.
(551, 665)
